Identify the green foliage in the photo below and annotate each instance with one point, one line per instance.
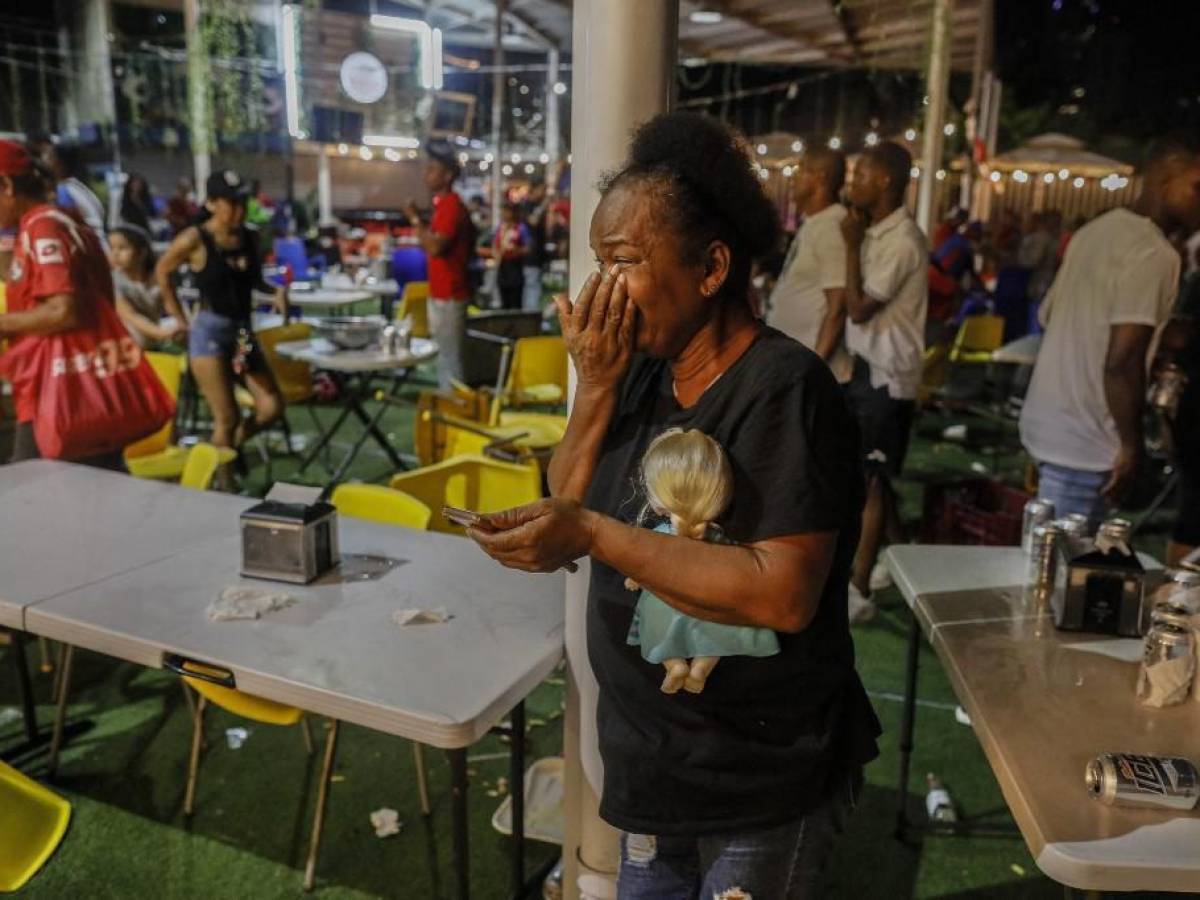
(228, 40)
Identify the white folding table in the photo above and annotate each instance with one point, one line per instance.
(335, 652)
(1042, 703)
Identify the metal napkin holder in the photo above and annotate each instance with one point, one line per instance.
(293, 542)
(1103, 593)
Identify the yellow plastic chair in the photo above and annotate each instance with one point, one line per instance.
(470, 482)
(265, 712)
(414, 303)
(169, 369)
(201, 466)
(295, 378)
(33, 821)
(385, 505)
(154, 456)
(978, 337)
(935, 368)
(539, 372)
(453, 425)
(388, 506)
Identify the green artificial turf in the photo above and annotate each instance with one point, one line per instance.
(248, 838)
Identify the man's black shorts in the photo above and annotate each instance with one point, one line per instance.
(885, 422)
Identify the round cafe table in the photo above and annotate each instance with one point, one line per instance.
(353, 370)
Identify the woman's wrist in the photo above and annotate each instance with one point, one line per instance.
(593, 525)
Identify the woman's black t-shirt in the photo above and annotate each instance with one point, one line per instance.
(229, 276)
(763, 741)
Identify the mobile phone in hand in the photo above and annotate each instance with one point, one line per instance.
(464, 517)
(468, 519)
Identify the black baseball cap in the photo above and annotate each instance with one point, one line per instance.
(226, 184)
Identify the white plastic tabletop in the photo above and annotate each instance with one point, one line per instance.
(329, 297)
(386, 288)
(1042, 703)
(336, 651)
(64, 525)
(324, 355)
(1023, 351)
(923, 569)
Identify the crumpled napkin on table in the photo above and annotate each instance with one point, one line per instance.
(241, 602)
(435, 616)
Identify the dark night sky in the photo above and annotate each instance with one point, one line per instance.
(1137, 61)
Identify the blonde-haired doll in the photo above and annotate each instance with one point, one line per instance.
(687, 479)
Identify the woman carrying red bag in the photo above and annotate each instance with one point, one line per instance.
(80, 386)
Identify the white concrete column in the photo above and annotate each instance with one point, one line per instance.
(324, 188)
(937, 86)
(552, 139)
(199, 115)
(623, 73)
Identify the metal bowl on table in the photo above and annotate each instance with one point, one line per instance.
(351, 332)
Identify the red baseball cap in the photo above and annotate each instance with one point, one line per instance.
(14, 159)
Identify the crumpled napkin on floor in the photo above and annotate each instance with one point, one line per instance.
(386, 822)
(435, 616)
(241, 602)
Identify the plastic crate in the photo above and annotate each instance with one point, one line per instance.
(974, 511)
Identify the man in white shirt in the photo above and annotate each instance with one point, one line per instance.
(65, 162)
(809, 300)
(887, 292)
(1082, 417)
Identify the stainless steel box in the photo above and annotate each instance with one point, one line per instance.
(1102, 593)
(292, 542)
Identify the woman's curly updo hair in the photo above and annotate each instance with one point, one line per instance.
(700, 172)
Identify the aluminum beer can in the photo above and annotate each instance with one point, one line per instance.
(1168, 664)
(1043, 558)
(1037, 512)
(1132, 779)
(1167, 612)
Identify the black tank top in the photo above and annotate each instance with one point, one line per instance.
(229, 276)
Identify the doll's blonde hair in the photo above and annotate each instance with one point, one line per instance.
(687, 476)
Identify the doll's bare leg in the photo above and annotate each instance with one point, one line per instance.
(699, 672)
(631, 585)
(677, 673)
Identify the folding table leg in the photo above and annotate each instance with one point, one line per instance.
(60, 714)
(458, 790)
(516, 786)
(908, 724)
(25, 685)
(310, 868)
(189, 794)
(422, 782)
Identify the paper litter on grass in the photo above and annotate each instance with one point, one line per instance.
(241, 602)
(386, 822)
(235, 737)
(435, 616)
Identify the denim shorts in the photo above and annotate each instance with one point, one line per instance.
(787, 862)
(214, 335)
(1074, 491)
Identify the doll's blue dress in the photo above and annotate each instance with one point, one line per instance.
(663, 632)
